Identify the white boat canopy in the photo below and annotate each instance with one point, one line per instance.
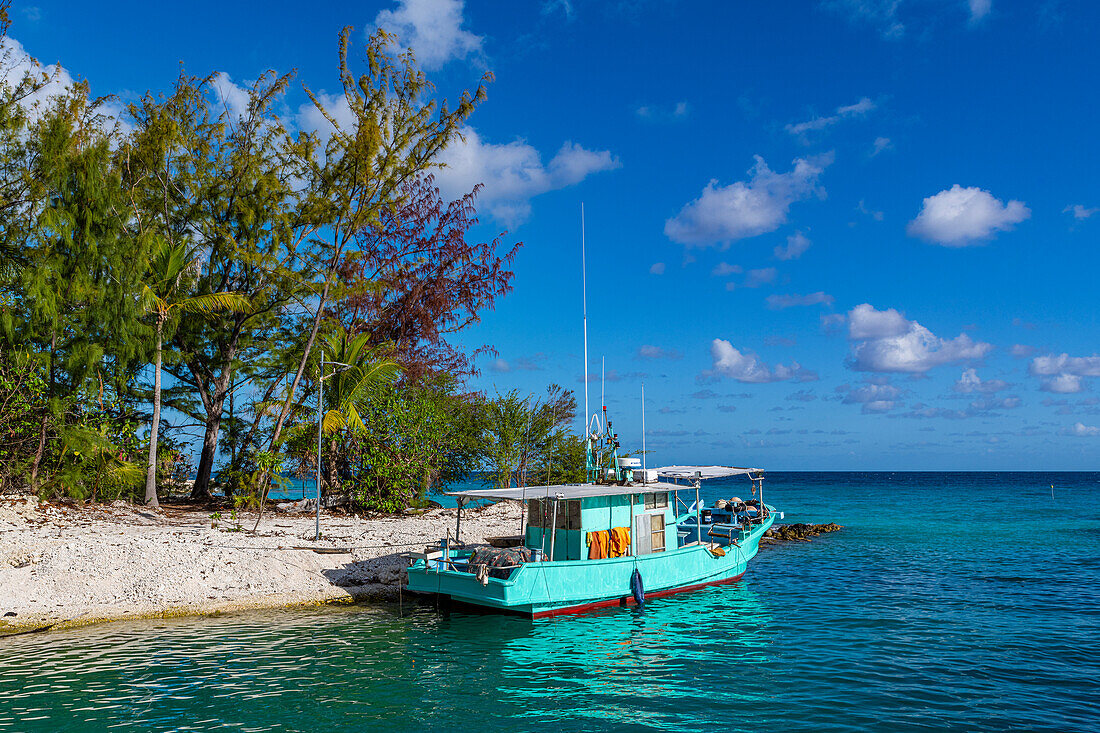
(704, 472)
(566, 491)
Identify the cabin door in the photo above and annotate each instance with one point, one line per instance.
(643, 541)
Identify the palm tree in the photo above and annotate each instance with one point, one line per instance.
(362, 372)
(169, 271)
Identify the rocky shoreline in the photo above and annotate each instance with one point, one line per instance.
(798, 532)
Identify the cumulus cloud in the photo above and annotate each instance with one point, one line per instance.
(960, 217)
(724, 268)
(53, 81)
(873, 397)
(886, 341)
(513, 173)
(979, 9)
(433, 29)
(314, 120)
(1021, 351)
(743, 209)
(1084, 431)
(797, 243)
(1062, 373)
(779, 302)
(746, 367)
(1080, 211)
(860, 108)
(762, 276)
(970, 382)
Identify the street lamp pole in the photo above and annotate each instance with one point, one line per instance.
(320, 427)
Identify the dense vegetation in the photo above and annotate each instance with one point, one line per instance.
(187, 263)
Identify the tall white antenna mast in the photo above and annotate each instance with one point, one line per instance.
(584, 298)
(643, 431)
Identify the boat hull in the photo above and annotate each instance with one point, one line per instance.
(545, 589)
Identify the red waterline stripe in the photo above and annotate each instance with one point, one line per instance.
(629, 600)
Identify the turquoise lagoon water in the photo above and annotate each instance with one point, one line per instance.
(948, 602)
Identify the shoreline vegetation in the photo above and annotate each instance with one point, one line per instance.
(198, 284)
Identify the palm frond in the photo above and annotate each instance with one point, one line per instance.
(215, 302)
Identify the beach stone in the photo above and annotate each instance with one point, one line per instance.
(799, 531)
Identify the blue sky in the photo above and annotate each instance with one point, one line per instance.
(844, 234)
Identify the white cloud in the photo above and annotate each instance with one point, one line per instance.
(864, 322)
(1062, 373)
(232, 98)
(433, 29)
(1079, 211)
(16, 65)
(746, 367)
(759, 277)
(979, 9)
(880, 144)
(1084, 431)
(862, 107)
(724, 268)
(876, 215)
(657, 113)
(889, 342)
(1021, 351)
(312, 119)
(880, 13)
(875, 397)
(513, 172)
(959, 217)
(657, 268)
(746, 209)
(648, 351)
(970, 382)
(778, 302)
(797, 244)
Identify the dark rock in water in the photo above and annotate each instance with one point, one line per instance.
(798, 531)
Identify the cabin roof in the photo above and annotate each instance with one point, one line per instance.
(568, 491)
(704, 472)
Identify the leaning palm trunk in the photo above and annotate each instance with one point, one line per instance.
(151, 475)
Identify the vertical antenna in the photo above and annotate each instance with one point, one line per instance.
(603, 376)
(584, 300)
(643, 431)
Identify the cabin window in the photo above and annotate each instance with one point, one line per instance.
(656, 501)
(657, 532)
(540, 513)
(569, 514)
(534, 512)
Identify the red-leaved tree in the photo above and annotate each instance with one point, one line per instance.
(414, 279)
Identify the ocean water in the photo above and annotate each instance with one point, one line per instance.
(949, 601)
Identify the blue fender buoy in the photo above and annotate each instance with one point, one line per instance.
(637, 588)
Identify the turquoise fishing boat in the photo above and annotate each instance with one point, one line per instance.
(620, 539)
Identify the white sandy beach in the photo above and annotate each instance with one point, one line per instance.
(66, 565)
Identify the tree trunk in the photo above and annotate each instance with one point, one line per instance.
(201, 490)
(154, 428)
(36, 464)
